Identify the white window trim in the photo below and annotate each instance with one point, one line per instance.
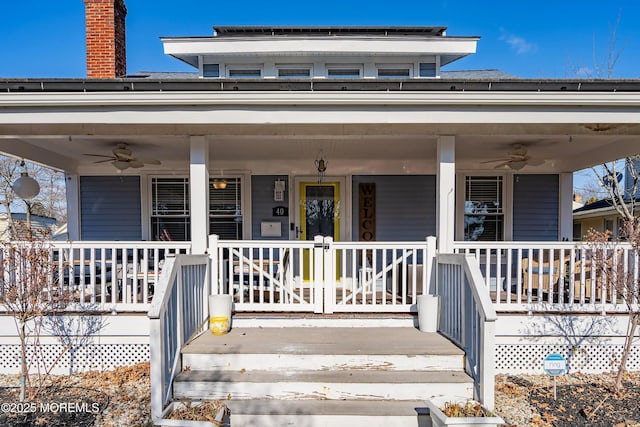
(245, 199)
(231, 67)
(220, 69)
(359, 67)
(507, 201)
(388, 66)
(294, 66)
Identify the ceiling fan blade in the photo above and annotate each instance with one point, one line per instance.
(503, 164)
(150, 162)
(98, 155)
(104, 161)
(136, 164)
(496, 160)
(124, 156)
(535, 162)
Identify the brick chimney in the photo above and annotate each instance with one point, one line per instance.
(106, 44)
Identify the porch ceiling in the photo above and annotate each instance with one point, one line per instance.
(357, 148)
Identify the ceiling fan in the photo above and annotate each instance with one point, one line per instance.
(123, 158)
(517, 159)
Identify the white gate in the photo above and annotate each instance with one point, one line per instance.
(322, 276)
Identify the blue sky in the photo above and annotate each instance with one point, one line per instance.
(536, 39)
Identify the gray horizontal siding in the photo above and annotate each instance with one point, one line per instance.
(110, 208)
(405, 206)
(535, 207)
(262, 205)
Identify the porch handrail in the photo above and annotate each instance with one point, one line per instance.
(468, 319)
(112, 275)
(178, 311)
(545, 276)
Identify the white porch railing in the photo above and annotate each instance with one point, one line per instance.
(179, 311)
(109, 276)
(467, 318)
(553, 276)
(322, 276)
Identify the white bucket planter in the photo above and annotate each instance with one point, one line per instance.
(428, 312)
(220, 313)
(439, 419)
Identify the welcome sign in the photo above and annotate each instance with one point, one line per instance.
(367, 212)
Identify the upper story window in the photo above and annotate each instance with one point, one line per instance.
(294, 72)
(390, 72)
(211, 70)
(244, 72)
(344, 71)
(484, 208)
(427, 69)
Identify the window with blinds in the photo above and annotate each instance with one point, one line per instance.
(171, 212)
(483, 208)
(225, 208)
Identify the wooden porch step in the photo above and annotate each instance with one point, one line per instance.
(310, 413)
(324, 340)
(323, 376)
(323, 385)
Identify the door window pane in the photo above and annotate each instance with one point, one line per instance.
(320, 210)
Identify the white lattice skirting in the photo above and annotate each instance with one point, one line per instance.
(89, 357)
(528, 358)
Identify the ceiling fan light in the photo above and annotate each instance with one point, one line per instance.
(517, 164)
(120, 164)
(219, 183)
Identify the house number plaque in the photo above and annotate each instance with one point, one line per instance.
(280, 211)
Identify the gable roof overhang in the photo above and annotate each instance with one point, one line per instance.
(571, 124)
(189, 49)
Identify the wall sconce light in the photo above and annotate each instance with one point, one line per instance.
(26, 187)
(321, 166)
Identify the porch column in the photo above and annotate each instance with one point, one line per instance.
(565, 196)
(446, 194)
(73, 206)
(199, 194)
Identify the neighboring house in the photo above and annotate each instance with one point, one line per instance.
(323, 158)
(600, 215)
(40, 226)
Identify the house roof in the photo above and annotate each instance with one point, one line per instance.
(187, 82)
(597, 208)
(230, 31)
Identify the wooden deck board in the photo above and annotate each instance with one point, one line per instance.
(324, 340)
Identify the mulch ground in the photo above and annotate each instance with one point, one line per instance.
(120, 397)
(53, 406)
(581, 400)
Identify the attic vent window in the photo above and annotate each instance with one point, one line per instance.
(427, 69)
(293, 73)
(344, 73)
(211, 70)
(393, 73)
(245, 73)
